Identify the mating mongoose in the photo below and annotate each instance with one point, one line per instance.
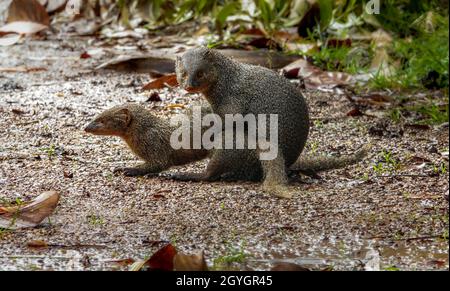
(231, 87)
(148, 136)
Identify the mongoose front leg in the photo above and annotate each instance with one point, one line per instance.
(212, 173)
(145, 169)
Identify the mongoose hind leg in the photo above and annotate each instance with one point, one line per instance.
(220, 165)
(275, 177)
(145, 169)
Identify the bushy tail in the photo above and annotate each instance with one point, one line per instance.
(310, 164)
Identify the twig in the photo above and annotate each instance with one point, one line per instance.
(407, 239)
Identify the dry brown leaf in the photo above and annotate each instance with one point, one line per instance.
(164, 81)
(315, 77)
(22, 27)
(162, 260)
(37, 244)
(194, 262)
(27, 10)
(29, 214)
(122, 262)
(24, 17)
(149, 63)
(55, 5)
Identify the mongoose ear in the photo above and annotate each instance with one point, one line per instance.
(125, 115)
(208, 52)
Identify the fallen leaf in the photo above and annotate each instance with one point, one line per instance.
(264, 43)
(10, 39)
(194, 262)
(313, 76)
(85, 55)
(68, 175)
(22, 27)
(164, 81)
(122, 262)
(418, 126)
(37, 244)
(29, 214)
(55, 5)
(333, 42)
(150, 63)
(17, 111)
(355, 112)
(162, 260)
(29, 11)
(154, 97)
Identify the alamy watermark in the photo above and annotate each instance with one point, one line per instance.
(373, 7)
(255, 132)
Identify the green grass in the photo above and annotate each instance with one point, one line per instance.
(95, 220)
(232, 255)
(50, 151)
(388, 164)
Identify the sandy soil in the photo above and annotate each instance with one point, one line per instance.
(334, 221)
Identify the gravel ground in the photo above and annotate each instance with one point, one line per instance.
(334, 221)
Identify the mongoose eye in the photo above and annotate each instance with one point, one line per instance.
(200, 74)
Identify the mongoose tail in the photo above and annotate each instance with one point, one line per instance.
(312, 164)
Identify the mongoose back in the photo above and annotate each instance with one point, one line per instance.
(231, 87)
(148, 136)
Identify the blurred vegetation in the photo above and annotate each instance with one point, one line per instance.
(419, 29)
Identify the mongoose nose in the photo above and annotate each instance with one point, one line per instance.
(90, 127)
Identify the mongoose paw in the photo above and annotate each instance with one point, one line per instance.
(279, 191)
(186, 177)
(130, 172)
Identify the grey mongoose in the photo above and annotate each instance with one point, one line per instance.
(148, 136)
(231, 87)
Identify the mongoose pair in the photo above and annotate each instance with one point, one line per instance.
(148, 136)
(231, 87)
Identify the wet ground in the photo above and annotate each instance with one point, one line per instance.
(349, 219)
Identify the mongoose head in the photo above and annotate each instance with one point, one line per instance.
(196, 71)
(114, 121)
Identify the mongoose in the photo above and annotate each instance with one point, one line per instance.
(231, 87)
(148, 136)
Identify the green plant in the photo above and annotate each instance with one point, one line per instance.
(50, 151)
(391, 268)
(232, 255)
(395, 114)
(388, 163)
(440, 169)
(433, 113)
(95, 220)
(313, 147)
(318, 123)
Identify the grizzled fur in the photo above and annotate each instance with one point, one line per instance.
(231, 87)
(147, 136)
